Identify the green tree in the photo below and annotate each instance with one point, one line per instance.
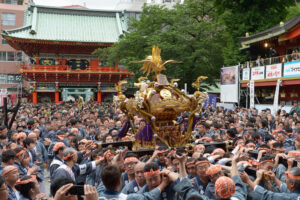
(190, 33)
(293, 11)
(241, 16)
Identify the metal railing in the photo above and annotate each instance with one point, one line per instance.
(272, 60)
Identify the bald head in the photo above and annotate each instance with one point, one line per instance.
(139, 166)
(33, 136)
(11, 174)
(37, 132)
(74, 130)
(8, 169)
(139, 174)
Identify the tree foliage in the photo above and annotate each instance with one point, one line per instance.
(293, 11)
(190, 33)
(202, 34)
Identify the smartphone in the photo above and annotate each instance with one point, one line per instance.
(241, 169)
(76, 190)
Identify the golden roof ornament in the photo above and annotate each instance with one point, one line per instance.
(196, 84)
(154, 63)
(120, 86)
(160, 104)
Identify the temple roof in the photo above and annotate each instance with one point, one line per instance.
(271, 32)
(70, 24)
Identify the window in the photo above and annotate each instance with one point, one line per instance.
(15, 2)
(2, 56)
(18, 78)
(13, 78)
(10, 78)
(8, 19)
(11, 56)
(19, 56)
(3, 78)
(137, 16)
(4, 41)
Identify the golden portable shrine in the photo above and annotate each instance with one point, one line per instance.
(160, 103)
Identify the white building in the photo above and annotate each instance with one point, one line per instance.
(134, 7)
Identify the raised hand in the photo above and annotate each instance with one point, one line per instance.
(259, 174)
(90, 193)
(61, 194)
(181, 158)
(244, 176)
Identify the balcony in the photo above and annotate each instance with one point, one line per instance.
(77, 66)
(272, 60)
(266, 72)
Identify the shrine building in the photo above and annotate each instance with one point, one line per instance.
(275, 55)
(59, 42)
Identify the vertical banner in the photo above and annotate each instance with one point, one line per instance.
(13, 98)
(275, 103)
(212, 100)
(251, 87)
(246, 74)
(230, 84)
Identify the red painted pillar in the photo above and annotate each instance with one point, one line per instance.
(34, 97)
(37, 60)
(56, 94)
(116, 65)
(34, 94)
(98, 97)
(56, 97)
(99, 93)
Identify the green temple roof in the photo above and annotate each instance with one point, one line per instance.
(70, 25)
(212, 89)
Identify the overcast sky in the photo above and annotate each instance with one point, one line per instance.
(93, 4)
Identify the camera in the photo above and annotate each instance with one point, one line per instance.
(76, 190)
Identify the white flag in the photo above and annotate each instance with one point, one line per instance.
(251, 86)
(275, 103)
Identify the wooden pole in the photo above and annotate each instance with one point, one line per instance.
(15, 111)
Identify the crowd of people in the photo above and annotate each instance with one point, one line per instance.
(63, 145)
(273, 57)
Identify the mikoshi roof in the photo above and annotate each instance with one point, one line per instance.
(271, 32)
(70, 24)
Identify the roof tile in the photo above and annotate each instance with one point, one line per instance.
(70, 25)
